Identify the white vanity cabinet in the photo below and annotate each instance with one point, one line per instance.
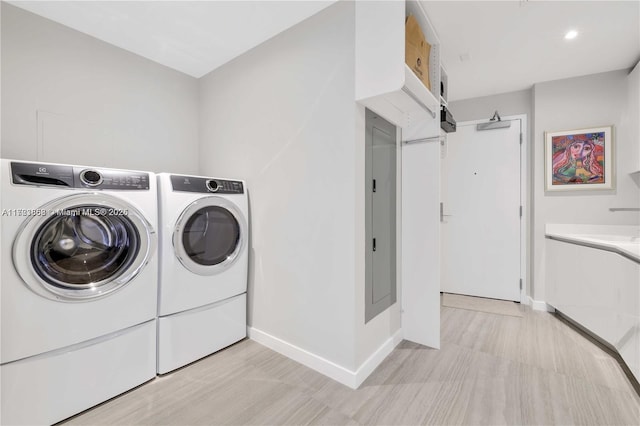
(600, 290)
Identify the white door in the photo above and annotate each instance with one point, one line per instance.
(421, 243)
(481, 212)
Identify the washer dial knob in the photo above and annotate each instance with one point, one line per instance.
(91, 177)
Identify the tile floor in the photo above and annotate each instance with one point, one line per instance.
(491, 370)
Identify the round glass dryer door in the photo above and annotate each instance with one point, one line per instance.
(209, 235)
(84, 247)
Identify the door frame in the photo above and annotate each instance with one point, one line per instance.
(524, 197)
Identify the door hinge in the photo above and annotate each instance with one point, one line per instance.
(520, 138)
(374, 244)
(520, 211)
(374, 185)
(520, 283)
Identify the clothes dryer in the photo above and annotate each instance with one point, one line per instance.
(204, 239)
(79, 287)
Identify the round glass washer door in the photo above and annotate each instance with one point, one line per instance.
(82, 247)
(209, 235)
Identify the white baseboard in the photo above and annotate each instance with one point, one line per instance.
(376, 358)
(539, 305)
(343, 375)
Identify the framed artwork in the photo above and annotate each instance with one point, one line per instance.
(579, 159)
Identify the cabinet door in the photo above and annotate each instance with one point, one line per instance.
(421, 243)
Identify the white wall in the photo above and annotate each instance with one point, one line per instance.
(575, 103)
(0, 152)
(283, 117)
(512, 103)
(67, 97)
(633, 110)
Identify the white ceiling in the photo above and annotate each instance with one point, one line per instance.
(194, 37)
(513, 44)
(510, 44)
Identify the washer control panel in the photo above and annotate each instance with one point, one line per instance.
(40, 174)
(206, 185)
(111, 179)
(91, 177)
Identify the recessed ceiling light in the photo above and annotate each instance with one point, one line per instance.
(570, 35)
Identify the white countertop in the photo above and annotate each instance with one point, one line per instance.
(622, 239)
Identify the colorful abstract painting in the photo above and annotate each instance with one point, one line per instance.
(579, 159)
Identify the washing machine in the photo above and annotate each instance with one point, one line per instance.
(78, 293)
(204, 239)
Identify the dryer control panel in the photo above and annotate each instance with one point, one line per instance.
(40, 174)
(206, 185)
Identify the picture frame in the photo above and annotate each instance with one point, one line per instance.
(578, 160)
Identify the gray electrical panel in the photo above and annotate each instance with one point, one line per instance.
(380, 212)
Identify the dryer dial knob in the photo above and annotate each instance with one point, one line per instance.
(213, 185)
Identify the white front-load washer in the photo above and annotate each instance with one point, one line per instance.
(78, 293)
(204, 239)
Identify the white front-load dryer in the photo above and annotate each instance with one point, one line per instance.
(78, 293)
(204, 239)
